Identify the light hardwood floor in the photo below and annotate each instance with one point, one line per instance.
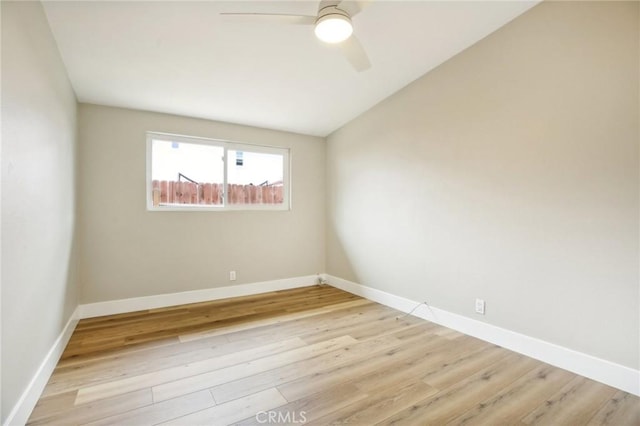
(315, 355)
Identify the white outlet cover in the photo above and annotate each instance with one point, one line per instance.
(480, 306)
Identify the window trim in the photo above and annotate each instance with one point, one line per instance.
(226, 146)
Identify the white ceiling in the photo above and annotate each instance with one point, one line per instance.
(180, 57)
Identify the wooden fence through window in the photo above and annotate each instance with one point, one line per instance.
(178, 192)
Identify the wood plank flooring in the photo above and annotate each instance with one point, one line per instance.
(315, 356)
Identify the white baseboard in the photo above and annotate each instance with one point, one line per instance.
(609, 373)
(195, 296)
(27, 402)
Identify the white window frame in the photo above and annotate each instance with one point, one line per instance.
(226, 145)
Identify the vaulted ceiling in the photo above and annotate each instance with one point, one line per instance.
(181, 57)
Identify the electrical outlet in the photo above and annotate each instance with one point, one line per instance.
(480, 306)
(232, 276)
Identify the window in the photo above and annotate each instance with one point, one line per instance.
(187, 173)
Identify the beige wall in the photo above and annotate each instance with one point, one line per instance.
(127, 251)
(509, 173)
(39, 290)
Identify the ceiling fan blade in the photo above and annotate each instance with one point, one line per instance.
(355, 54)
(353, 7)
(268, 18)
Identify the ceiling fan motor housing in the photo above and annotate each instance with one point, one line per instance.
(331, 10)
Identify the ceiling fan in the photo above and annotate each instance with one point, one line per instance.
(332, 25)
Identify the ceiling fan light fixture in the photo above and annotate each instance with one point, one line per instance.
(333, 28)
